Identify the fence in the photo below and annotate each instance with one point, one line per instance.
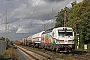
(3, 45)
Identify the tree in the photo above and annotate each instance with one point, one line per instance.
(78, 14)
(73, 19)
(3, 38)
(84, 28)
(60, 17)
(84, 14)
(73, 3)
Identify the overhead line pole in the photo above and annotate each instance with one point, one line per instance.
(44, 27)
(65, 18)
(52, 17)
(6, 25)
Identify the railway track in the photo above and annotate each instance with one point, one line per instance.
(35, 55)
(76, 55)
(81, 55)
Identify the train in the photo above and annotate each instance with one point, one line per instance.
(56, 39)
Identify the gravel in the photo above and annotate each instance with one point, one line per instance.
(22, 56)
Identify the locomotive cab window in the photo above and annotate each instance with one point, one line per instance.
(65, 33)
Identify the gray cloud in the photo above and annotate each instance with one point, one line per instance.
(29, 16)
(53, 0)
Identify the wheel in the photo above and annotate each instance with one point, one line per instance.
(56, 49)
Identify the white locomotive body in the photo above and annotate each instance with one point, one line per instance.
(59, 39)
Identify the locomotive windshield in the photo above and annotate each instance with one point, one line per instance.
(65, 33)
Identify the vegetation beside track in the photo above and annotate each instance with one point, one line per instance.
(75, 55)
(78, 17)
(10, 53)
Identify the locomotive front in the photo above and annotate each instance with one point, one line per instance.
(65, 38)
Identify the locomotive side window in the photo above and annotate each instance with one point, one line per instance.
(53, 34)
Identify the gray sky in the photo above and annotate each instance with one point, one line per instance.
(26, 17)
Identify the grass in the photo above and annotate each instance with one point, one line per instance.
(89, 47)
(81, 47)
(61, 55)
(10, 53)
(65, 57)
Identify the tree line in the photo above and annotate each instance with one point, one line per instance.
(78, 17)
(4, 39)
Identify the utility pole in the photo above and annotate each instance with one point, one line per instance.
(65, 18)
(6, 30)
(44, 27)
(52, 17)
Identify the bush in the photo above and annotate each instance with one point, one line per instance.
(10, 53)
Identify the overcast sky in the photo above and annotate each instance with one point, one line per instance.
(26, 17)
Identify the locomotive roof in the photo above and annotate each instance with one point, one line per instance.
(57, 28)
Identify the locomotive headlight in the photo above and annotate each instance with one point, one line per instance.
(71, 41)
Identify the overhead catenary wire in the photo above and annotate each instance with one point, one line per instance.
(35, 8)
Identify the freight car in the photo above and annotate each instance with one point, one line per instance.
(29, 41)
